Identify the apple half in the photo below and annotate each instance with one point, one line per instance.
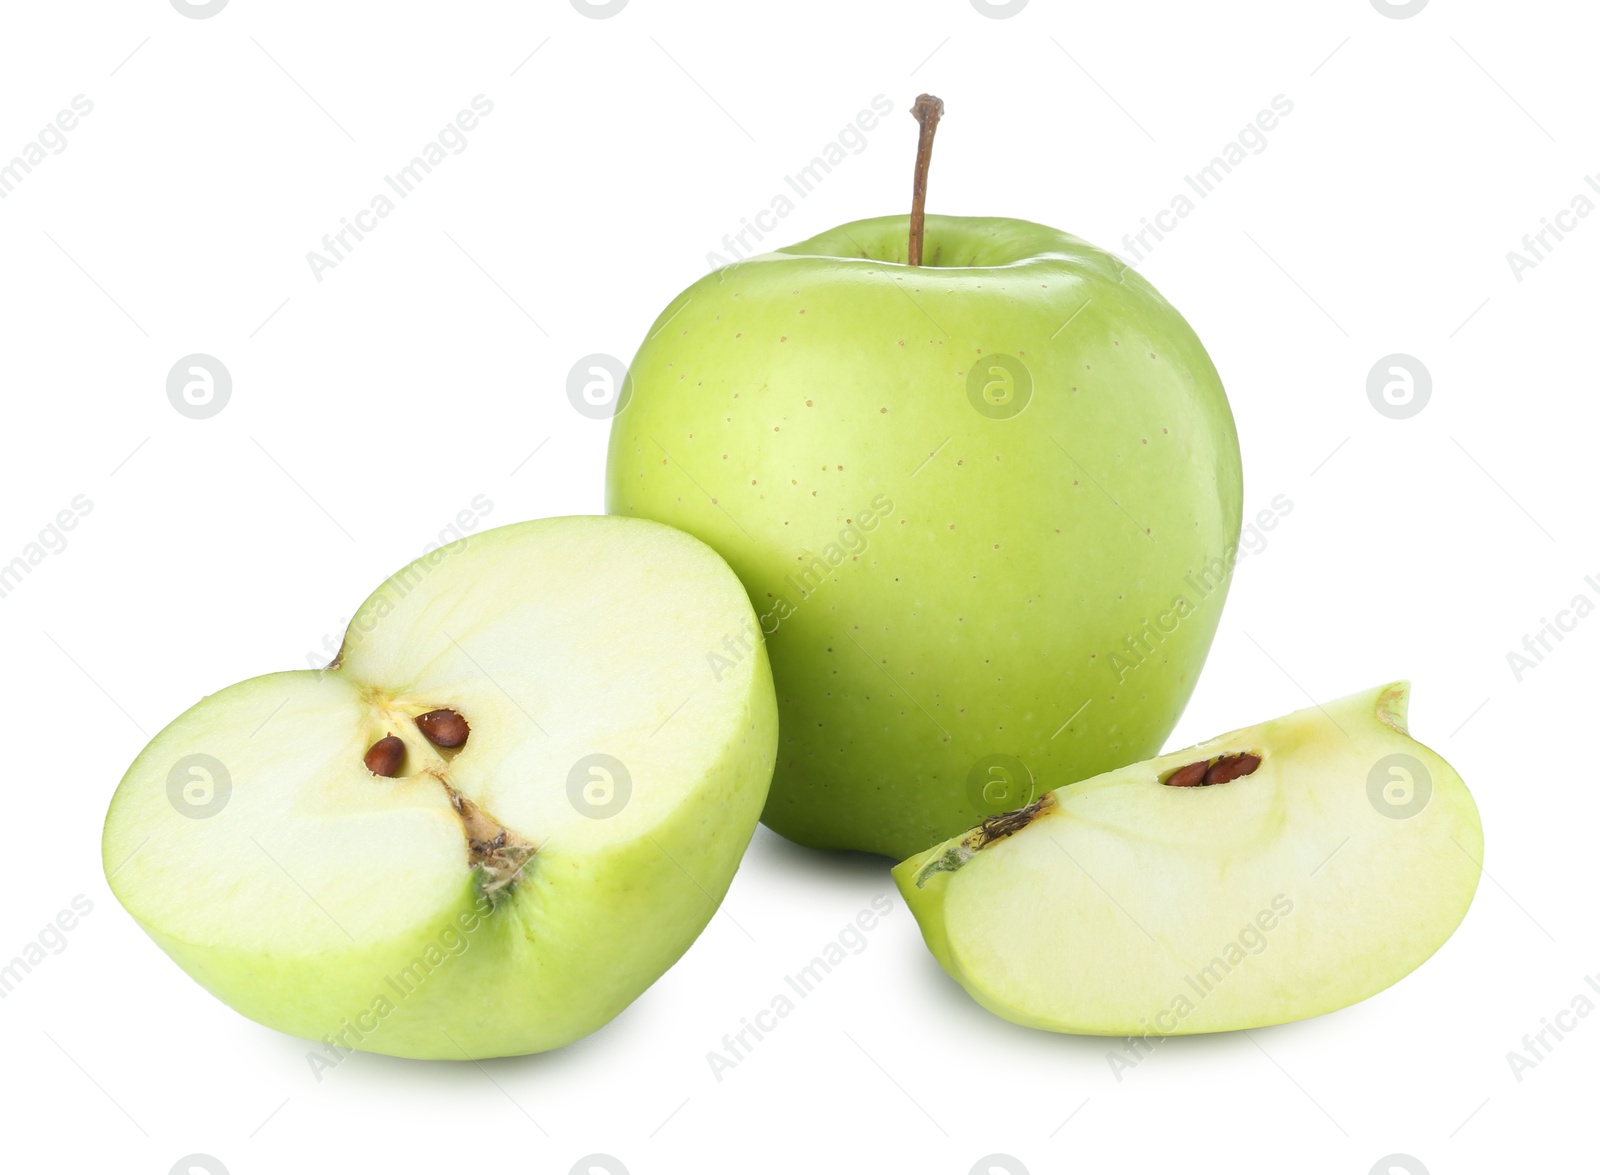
(1274, 873)
(512, 802)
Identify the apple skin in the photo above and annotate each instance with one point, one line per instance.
(1125, 907)
(987, 588)
(326, 902)
(532, 974)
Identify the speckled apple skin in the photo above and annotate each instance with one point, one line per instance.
(974, 588)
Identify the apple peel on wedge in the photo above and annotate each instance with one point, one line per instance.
(1274, 873)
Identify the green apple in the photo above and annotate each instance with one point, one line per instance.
(512, 802)
(1274, 873)
(986, 508)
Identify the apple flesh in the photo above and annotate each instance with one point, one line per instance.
(986, 509)
(1329, 856)
(514, 801)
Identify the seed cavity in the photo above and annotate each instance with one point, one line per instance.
(444, 728)
(1209, 772)
(385, 757)
(1009, 823)
(994, 828)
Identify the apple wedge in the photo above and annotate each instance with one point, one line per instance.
(513, 801)
(1274, 873)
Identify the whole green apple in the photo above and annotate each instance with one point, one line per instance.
(986, 508)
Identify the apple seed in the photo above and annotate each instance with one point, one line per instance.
(1194, 775)
(385, 756)
(1231, 767)
(1206, 772)
(444, 728)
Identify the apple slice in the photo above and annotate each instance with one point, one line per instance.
(1275, 873)
(511, 804)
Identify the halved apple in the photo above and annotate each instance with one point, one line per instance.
(1274, 873)
(513, 801)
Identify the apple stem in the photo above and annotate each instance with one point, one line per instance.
(926, 110)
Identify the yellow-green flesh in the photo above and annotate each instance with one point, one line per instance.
(1129, 907)
(325, 901)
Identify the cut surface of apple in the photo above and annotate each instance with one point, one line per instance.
(1274, 873)
(513, 801)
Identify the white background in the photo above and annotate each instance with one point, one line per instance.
(370, 407)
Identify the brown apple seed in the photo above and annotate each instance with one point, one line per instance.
(444, 728)
(385, 756)
(1232, 767)
(1194, 775)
